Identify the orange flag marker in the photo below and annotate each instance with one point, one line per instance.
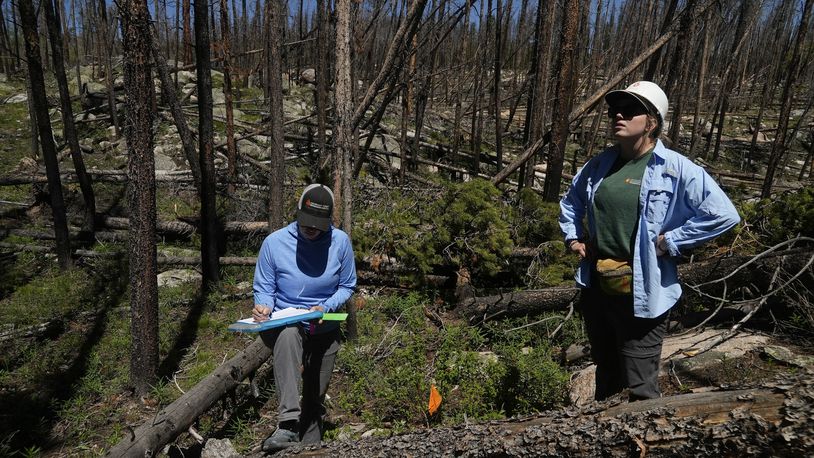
(435, 400)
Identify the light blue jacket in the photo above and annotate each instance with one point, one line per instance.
(293, 271)
(678, 199)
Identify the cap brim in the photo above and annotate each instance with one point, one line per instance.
(317, 222)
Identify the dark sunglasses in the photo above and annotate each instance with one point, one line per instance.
(627, 111)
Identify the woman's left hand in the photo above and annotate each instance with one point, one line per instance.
(661, 246)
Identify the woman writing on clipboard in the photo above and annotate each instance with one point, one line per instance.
(306, 265)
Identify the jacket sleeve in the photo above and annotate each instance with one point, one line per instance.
(712, 213)
(574, 205)
(265, 276)
(347, 278)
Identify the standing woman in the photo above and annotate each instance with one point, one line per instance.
(307, 265)
(645, 206)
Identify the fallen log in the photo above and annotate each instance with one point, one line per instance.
(530, 302)
(769, 420)
(160, 429)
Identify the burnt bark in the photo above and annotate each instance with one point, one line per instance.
(562, 107)
(770, 419)
(210, 237)
(52, 19)
(141, 197)
(39, 101)
(275, 91)
(149, 438)
(779, 145)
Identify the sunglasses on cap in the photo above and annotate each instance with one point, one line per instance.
(627, 111)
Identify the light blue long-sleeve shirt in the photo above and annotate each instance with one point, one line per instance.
(678, 199)
(292, 271)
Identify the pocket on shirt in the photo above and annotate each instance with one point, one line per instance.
(658, 202)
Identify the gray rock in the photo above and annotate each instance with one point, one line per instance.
(219, 448)
(185, 76)
(177, 277)
(249, 148)
(309, 75)
(18, 98)
(163, 162)
(582, 387)
(94, 87)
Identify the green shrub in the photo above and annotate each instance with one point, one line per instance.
(388, 372)
(784, 217)
(536, 221)
(466, 226)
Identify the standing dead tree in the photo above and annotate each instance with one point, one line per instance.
(141, 196)
(36, 78)
(582, 108)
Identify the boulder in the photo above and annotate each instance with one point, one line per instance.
(219, 448)
(185, 76)
(177, 277)
(18, 98)
(309, 75)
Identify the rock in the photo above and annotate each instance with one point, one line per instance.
(582, 386)
(487, 357)
(217, 96)
(94, 87)
(18, 98)
(104, 145)
(785, 355)
(797, 113)
(374, 432)
(185, 76)
(309, 75)
(111, 133)
(163, 162)
(177, 277)
(219, 448)
(249, 148)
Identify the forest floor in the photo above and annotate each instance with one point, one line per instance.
(64, 336)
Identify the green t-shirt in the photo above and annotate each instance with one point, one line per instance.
(616, 207)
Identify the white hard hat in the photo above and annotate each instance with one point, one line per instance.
(643, 91)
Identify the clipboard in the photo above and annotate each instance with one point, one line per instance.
(287, 316)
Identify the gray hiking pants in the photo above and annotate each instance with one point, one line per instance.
(625, 348)
(310, 358)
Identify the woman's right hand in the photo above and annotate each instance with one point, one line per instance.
(584, 250)
(261, 312)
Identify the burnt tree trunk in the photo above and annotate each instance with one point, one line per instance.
(275, 90)
(149, 438)
(562, 108)
(779, 145)
(36, 79)
(231, 148)
(344, 138)
(55, 36)
(141, 197)
(772, 419)
(170, 95)
(210, 236)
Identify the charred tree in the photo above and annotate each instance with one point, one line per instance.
(231, 148)
(52, 19)
(344, 137)
(170, 95)
(562, 108)
(141, 196)
(36, 79)
(275, 90)
(210, 233)
(786, 100)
